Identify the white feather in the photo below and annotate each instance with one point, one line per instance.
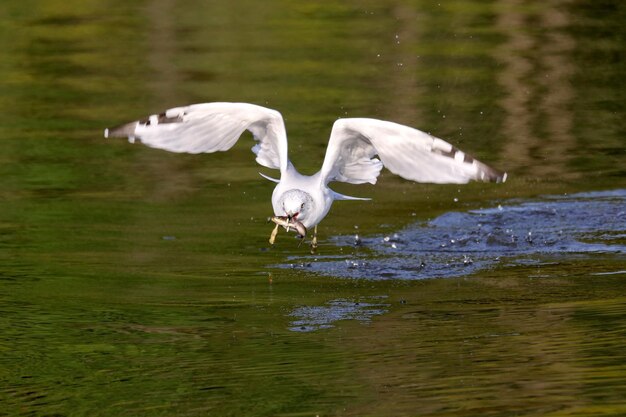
(405, 151)
(212, 127)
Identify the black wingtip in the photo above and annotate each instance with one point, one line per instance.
(496, 176)
(123, 131)
(488, 174)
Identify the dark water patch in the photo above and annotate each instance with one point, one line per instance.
(310, 318)
(65, 20)
(512, 233)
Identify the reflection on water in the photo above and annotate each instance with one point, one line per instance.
(519, 232)
(536, 77)
(469, 356)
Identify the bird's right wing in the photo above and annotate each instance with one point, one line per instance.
(407, 152)
(211, 127)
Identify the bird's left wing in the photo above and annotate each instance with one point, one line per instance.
(408, 152)
(211, 127)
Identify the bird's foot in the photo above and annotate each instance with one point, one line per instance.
(273, 235)
(314, 242)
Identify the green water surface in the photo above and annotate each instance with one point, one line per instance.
(136, 282)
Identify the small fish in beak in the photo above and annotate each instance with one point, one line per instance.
(288, 223)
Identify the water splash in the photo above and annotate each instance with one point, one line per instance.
(515, 232)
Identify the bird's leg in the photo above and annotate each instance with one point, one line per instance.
(314, 241)
(273, 235)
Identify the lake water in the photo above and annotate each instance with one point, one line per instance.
(135, 282)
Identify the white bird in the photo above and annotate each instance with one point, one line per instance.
(301, 201)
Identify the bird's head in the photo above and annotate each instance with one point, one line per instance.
(296, 204)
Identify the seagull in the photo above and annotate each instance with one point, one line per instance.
(358, 149)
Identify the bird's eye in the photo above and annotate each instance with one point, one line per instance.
(301, 206)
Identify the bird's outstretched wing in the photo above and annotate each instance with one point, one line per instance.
(211, 127)
(408, 152)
